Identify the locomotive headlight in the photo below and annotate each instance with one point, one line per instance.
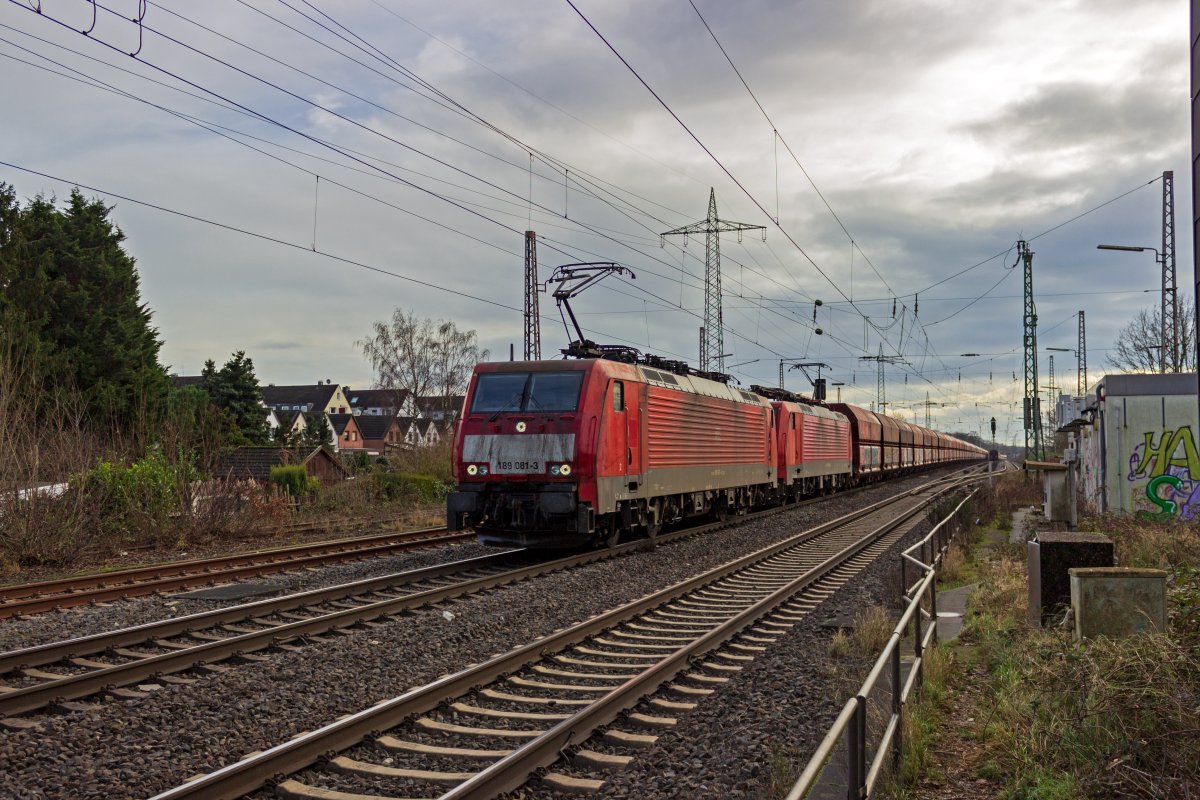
(472, 469)
(564, 470)
(554, 469)
(483, 470)
(521, 426)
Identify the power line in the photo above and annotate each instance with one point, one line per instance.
(725, 169)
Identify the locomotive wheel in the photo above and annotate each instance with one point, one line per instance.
(610, 534)
(720, 510)
(654, 516)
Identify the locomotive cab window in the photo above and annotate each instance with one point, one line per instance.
(618, 396)
(501, 392)
(554, 391)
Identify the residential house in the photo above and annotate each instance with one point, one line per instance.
(291, 423)
(326, 397)
(380, 433)
(346, 433)
(272, 422)
(439, 408)
(380, 402)
(254, 463)
(428, 434)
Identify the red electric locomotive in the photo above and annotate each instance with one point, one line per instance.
(567, 453)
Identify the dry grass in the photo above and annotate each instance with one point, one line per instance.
(1099, 718)
(872, 628)
(954, 564)
(839, 644)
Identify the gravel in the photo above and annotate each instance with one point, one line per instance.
(135, 748)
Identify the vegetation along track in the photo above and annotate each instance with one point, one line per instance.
(36, 598)
(519, 712)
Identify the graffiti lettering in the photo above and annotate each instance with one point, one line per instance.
(1166, 455)
(1170, 465)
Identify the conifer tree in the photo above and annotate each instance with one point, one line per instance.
(234, 388)
(69, 289)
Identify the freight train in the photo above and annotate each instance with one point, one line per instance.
(581, 452)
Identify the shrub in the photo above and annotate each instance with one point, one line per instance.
(406, 486)
(136, 503)
(292, 479)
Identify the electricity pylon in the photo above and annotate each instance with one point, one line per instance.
(1081, 378)
(881, 402)
(712, 339)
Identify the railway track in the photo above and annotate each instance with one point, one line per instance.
(37, 598)
(488, 728)
(58, 673)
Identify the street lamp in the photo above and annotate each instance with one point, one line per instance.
(1167, 347)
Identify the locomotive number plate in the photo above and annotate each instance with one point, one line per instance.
(518, 466)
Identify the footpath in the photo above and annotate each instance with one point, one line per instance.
(957, 760)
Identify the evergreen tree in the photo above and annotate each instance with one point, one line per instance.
(318, 432)
(234, 388)
(69, 289)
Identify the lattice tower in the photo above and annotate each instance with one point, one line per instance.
(1081, 385)
(712, 337)
(1169, 355)
(1033, 415)
(533, 326)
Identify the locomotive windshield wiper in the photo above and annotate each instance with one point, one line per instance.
(506, 406)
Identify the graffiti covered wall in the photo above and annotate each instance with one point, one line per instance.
(1166, 468)
(1139, 454)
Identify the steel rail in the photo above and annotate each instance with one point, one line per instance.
(64, 585)
(851, 722)
(14, 701)
(513, 770)
(51, 652)
(250, 773)
(63, 593)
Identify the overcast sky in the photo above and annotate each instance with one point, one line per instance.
(939, 132)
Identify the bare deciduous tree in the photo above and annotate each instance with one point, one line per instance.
(1137, 346)
(421, 356)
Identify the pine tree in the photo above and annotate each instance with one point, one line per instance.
(234, 388)
(318, 432)
(70, 289)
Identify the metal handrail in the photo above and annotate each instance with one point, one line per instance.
(851, 723)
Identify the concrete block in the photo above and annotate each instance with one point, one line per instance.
(1056, 553)
(1059, 492)
(1118, 601)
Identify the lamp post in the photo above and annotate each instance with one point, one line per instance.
(1170, 336)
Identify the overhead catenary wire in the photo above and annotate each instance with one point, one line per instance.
(292, 245)
(363, 194)
(726, 170)
(361, 160)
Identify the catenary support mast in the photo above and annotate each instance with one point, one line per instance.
(533, 326)
(1033, 410)
(1169, 355)
(1081, 384)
